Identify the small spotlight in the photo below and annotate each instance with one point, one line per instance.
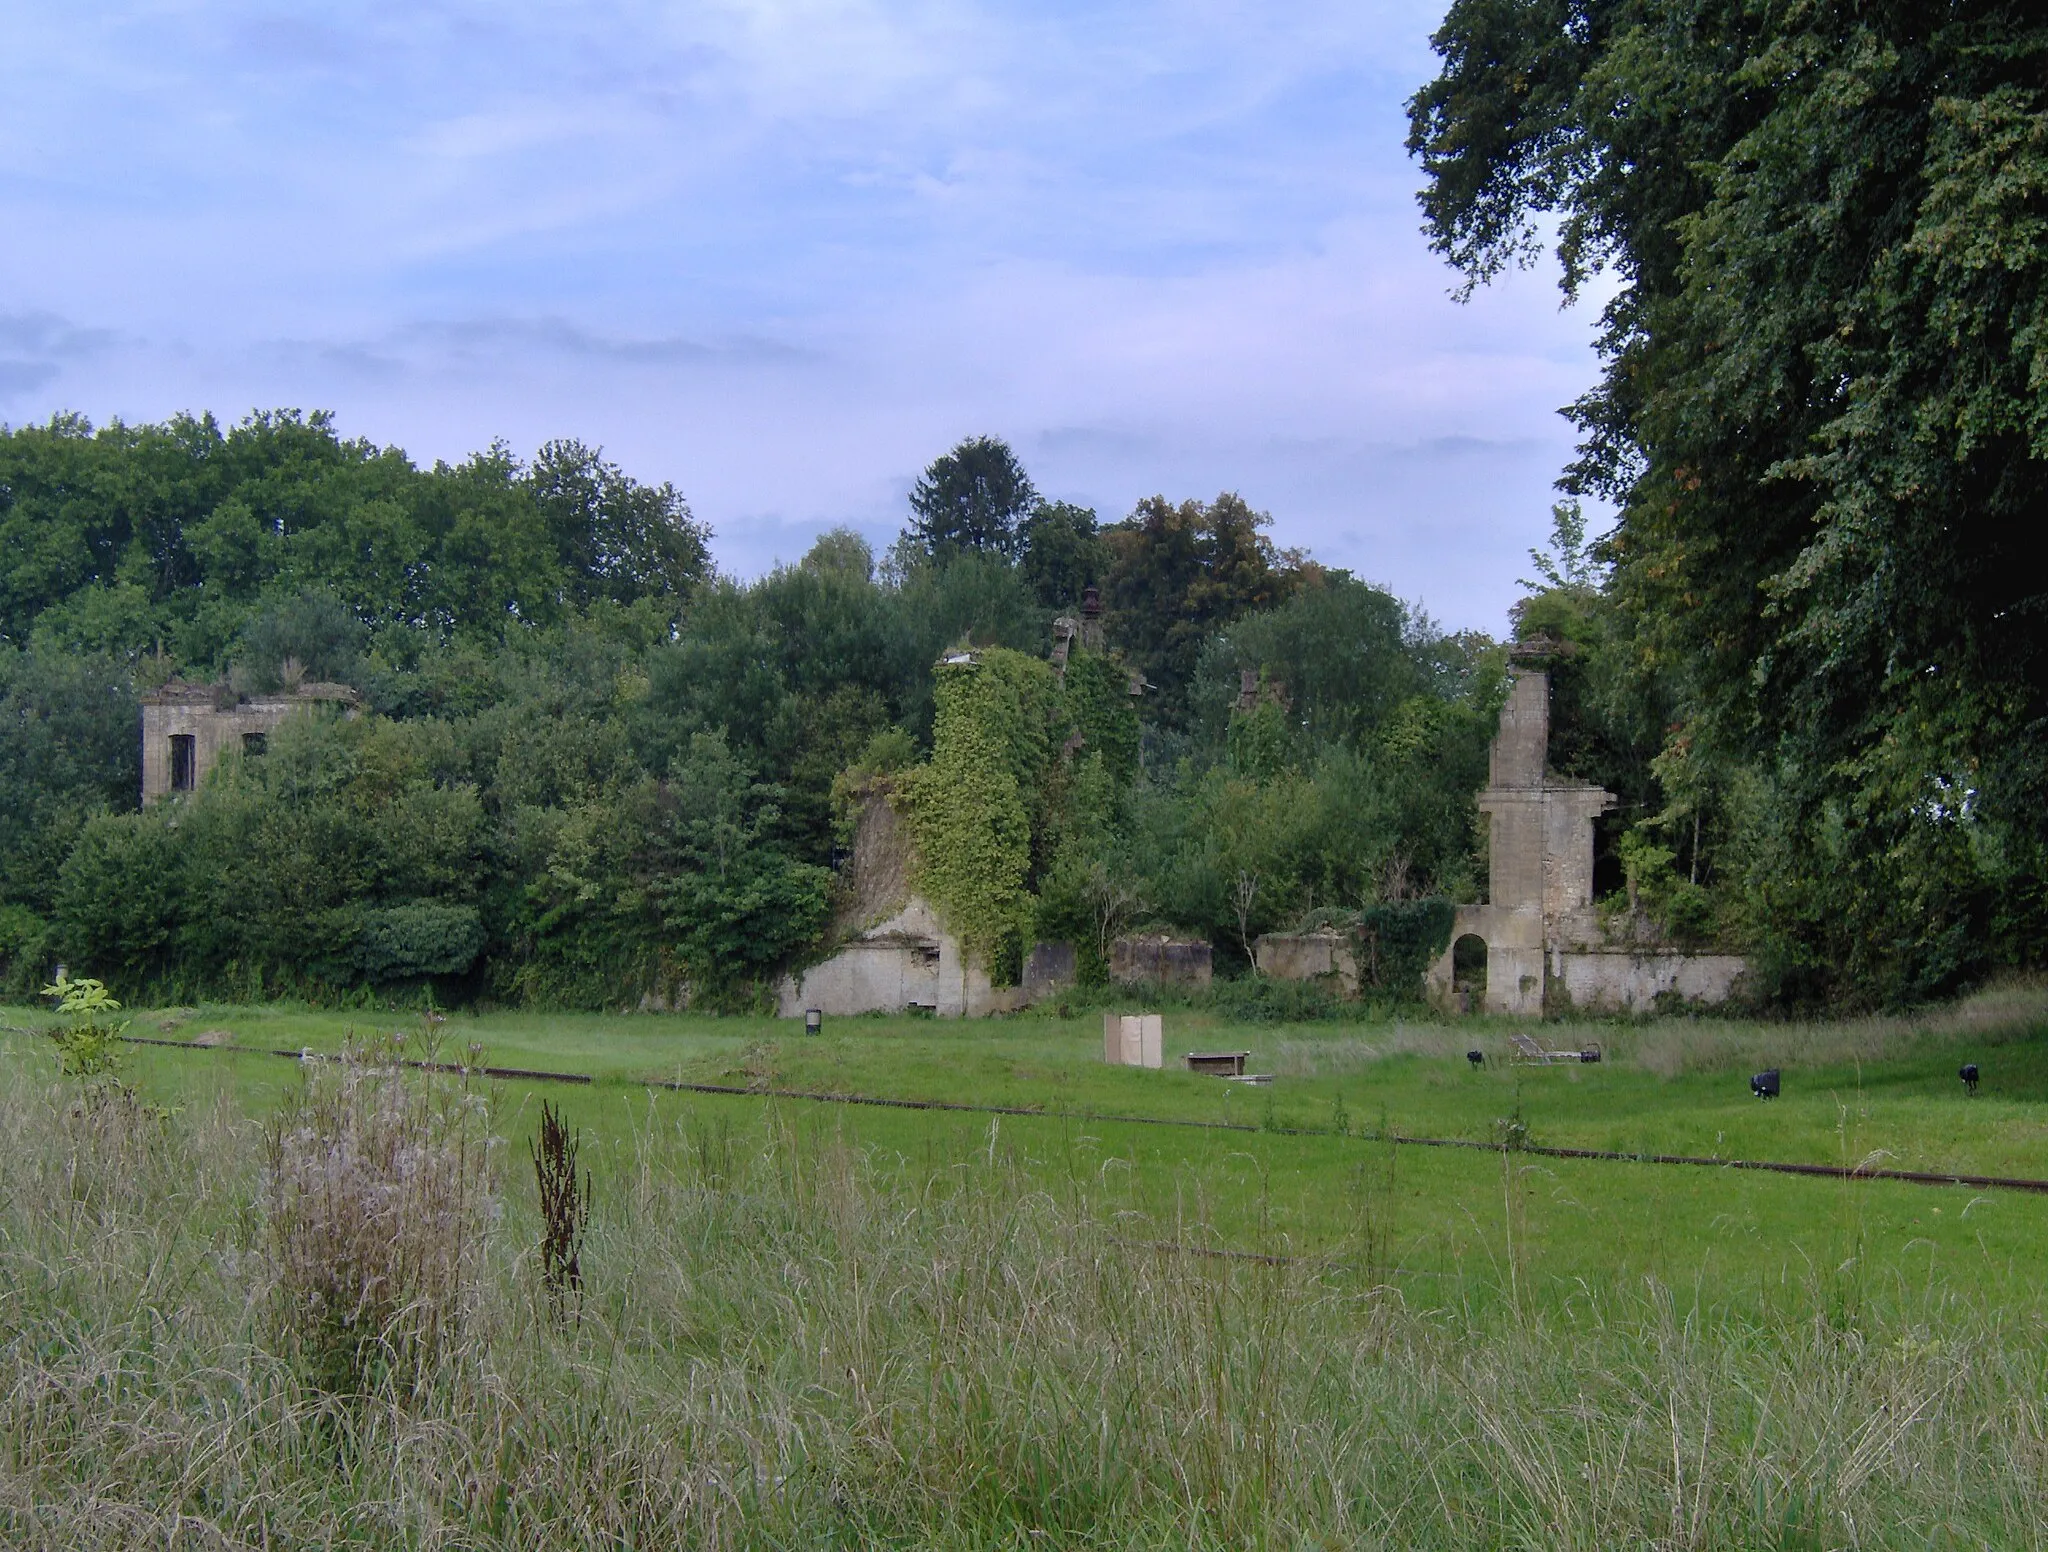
(1476, 1058)
(814, 1021)
(1969, 1076)
(1764, 1085)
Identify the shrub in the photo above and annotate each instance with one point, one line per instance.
(23, 935)
(379, 1196)
(406, 942)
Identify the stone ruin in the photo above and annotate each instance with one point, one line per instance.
(1309, 956)
(186, 727)
(895, 952)
(1539, 938)
(1160, 959)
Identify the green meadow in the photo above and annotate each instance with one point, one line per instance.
(1153, 1308)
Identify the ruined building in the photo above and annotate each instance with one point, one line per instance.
(186, 726)
(895, 952)
(1539, 938)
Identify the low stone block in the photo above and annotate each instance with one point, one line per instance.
(1160, 959)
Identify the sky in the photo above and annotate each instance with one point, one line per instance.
(784, 253)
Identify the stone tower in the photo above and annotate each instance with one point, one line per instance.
(1539, 895)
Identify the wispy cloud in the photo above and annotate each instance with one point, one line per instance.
(784, 251)
(36, 347)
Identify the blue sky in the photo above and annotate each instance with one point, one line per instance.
(782, 254)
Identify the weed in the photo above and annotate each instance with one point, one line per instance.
(378, 1203)
(89, 1047)
(565, 1194)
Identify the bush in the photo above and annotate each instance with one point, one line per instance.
(1260, 999)
(23, 936)
(406, 942)
(380, 1195)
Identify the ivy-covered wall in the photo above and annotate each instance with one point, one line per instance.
(1014, 749)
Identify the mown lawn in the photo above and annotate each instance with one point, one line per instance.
(1314, 1172)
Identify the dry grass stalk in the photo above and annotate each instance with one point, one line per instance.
(379, 1196)
(565, 1195)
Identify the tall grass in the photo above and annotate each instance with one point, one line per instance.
(788, 1341)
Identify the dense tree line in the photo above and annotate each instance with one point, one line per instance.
(1815, 657)
(589, 770)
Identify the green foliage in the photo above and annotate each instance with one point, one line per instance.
(179, 536)
(618, 541)
(89, 1047)
(23, 936)
(1825, 423)
(411, 942)
(312, 633)
(971, 500)
(1260, 999)
(1262, 742)
(1398, 940)
(734, 906)
(1062, 552)
(1177, 573)
(1341, 655)
(67, 752)
(971, 808)
(1097, 705)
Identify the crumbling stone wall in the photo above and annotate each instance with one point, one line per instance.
(1309, 956)
(187, 727)
(1158, 958)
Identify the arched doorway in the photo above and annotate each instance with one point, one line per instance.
(1468, 972)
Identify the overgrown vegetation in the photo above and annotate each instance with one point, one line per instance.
(590, 773)
(378, 1195)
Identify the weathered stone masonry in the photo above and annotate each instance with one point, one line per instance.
(186, 727)
(1544, 941)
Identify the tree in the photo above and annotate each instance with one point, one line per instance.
(616, 538)
(1063, 552)
(1823, 414)
(67, 751)
(736, 904)
(1338, 651)
(971, 500)
(1570, 561)
(1177, 573)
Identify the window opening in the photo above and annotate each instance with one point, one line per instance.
(184, 762)
(1468, 966)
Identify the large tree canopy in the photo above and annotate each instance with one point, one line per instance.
(1824, 410)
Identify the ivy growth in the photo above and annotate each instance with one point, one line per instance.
(971, 807)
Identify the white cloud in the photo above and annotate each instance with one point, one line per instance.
(782, 252)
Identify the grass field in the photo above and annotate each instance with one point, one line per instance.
(808, 1323)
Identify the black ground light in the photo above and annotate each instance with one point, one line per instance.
(1476, 1058)
(1764, 1085)
(1969, 1076)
